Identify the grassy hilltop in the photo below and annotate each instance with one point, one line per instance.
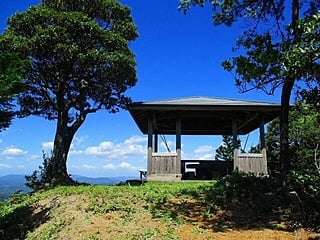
(185, 210)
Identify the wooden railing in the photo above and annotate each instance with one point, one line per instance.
(255, 163)
(164, 163)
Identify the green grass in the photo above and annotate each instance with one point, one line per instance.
(16, 219)
(253, 202)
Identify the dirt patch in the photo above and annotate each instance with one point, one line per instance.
(70, 217)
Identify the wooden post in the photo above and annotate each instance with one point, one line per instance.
(263, 148)
(150, 150)
(235, 143)
(178, 144)
(156, 137)
(155, 131)
(262, 135)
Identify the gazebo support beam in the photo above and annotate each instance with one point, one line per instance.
(263, 147)
(235, 143)
(178, 144)
(150, 150)
(262, 135)
(156, 140)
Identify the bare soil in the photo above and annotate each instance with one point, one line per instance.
(70, 218)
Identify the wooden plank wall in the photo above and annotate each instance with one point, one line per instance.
(164, 163)
(252, 163)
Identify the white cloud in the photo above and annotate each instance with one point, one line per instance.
(135, 139)
(127, 166)
(86, 166)
(79, 140)
(13, 152)
(102, 149)
(83, 166)
(4, 165)
(47, 145)
(34, 157)
(135, 145)
(122, 165)
(204, 149)
(75, 167)
(20, 166)
(109, 167)
(73, 152)
(205, 152)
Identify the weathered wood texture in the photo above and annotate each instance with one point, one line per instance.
(165, 163)
(255, 163)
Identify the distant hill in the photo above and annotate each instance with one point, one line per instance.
(10, 184)
(100, 180)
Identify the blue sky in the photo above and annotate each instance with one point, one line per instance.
(177, 56)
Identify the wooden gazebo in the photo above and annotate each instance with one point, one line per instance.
(201, 116)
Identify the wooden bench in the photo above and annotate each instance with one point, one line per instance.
(143, 174)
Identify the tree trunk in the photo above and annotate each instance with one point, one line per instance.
(62, 142)
(284, 129)
(285, 102)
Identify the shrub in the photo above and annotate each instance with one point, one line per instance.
(39, 178)
(247, 191)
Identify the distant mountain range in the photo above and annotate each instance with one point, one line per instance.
(10, 184)
(101, 180)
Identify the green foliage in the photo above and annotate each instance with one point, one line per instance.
(261, 67)
(152, 196)
(225, 151)
(229, 11)
(305, 173)
(246, 200)
(75, 57)
(15, 217)
(80, 63)
(36, 180)
(304, 140)
(273, 147)
(44, 177)
(12, 71)
(278, 48)
(247, 191)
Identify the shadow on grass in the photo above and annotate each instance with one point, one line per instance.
(239, 202)
(22, 220)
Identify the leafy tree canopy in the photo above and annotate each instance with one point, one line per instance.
(278, 48)
(81, 63)
(12, 70)
(281, 39)
(304, 152)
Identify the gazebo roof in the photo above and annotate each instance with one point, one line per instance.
(202, 115)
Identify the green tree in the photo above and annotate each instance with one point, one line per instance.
(81, 63)
(225, 151)
(273, 147)
(278, 48)
(304, 141)
(305, 138)
(12, 71)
